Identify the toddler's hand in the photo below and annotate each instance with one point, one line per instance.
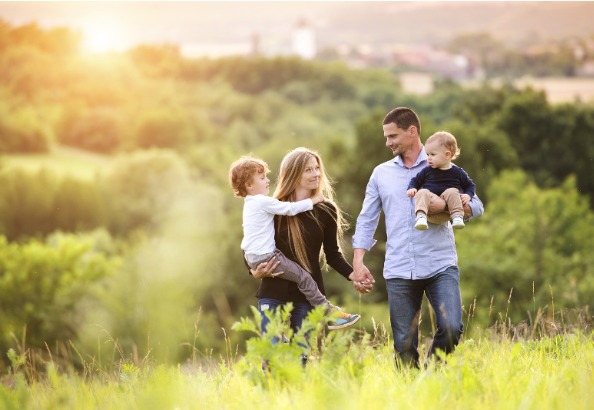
(318, 198)
(465, 198)
(411, 192)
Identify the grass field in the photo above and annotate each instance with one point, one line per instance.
(349, 369)
(552, 373)
(61, 161)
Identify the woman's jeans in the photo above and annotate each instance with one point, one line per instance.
(299, 312)
(404, 299)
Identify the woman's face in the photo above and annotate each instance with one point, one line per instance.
(310, 178)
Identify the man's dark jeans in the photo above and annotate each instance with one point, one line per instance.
(404, 299)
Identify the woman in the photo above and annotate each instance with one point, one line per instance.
(302, 237)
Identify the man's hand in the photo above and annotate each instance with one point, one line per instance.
(361, 274)
(360, 271)
(266, 269)
(361, 287)
(437, 208)
(411, 192)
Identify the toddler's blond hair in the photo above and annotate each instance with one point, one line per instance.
(446, 140)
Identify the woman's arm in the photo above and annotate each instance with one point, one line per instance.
(334, 256)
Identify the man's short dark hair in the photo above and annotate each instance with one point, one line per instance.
(403, 117)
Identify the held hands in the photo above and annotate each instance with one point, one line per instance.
(362, 279)
(411, 192)
(363, 287)
(266, 269)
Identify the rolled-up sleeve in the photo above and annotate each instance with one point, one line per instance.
(476, 205)
(369, 216)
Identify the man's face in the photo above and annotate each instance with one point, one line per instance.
(397, 139)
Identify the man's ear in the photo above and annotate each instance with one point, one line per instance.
(413, 130)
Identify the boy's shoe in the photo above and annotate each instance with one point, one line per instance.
(343, 320)
(421, 223)
(458, 223)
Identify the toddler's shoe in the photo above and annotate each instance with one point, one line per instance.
(421, 223)
(458, 223)
(343, 320)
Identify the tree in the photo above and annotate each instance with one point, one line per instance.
(140, 188)
(42, 283)
(528, 121)
(529, 237)
(98, 130)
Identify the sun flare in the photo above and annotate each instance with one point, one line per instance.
(102, 37)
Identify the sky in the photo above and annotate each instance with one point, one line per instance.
(120, 25)
(225, 27)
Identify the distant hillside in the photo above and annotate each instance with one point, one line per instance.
(335, 23)
(434, 23)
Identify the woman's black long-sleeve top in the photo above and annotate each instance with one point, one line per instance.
(315, 237)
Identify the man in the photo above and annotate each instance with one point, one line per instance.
(416, 261)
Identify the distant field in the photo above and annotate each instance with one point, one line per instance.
(561, 90)
(558, 89)
(62, 161)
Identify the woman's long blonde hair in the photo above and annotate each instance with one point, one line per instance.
(291, 169)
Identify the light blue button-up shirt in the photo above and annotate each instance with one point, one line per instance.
(410, 253)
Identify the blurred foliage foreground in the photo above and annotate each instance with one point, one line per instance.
(131, 250)
(348, 369)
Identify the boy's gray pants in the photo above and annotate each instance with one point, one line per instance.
(292, 272)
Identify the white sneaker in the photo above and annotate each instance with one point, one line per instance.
(421, 223)
(458, 223)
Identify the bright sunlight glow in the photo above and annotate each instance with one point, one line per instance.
(102, 37)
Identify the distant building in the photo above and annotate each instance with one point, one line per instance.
(303, 40)
(255, 44)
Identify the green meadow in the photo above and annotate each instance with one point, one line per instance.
(61, 161)
(350, 369)
(122, 282)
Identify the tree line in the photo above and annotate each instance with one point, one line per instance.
(156, 236)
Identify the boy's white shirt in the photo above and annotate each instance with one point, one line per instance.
(258, 221)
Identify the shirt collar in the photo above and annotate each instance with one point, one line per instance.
(420, 159)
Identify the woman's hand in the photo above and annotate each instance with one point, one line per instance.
(266, 269)
(362, 287)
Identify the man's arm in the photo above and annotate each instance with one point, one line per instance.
(476, 208)
(365, 229)
(437, 209)
(360, 271)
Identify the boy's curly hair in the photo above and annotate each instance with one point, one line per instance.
(242, 171)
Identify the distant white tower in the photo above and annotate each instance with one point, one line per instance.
(304, 40)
